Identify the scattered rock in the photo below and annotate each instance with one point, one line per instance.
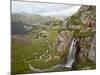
(49, 58)
(56, 57)
(86, 68)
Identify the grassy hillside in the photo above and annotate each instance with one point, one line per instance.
(39, 46)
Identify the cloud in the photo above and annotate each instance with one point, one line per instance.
(45, 9)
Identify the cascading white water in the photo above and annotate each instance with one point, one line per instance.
(71, 55)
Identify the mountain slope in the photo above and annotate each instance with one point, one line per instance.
(32, 19)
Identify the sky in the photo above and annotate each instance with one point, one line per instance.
(44, 9)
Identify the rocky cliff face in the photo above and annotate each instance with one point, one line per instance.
(82, 25)
(63, 40)
(63, 43)
(87, 17)
(92, 51)
(88, 49)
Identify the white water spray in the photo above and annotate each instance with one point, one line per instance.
(71, 55)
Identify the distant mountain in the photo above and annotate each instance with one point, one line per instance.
(32, 19)
(23, 23)
(60, 17)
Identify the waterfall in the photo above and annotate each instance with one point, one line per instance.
(71, 55)
(70, 60)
